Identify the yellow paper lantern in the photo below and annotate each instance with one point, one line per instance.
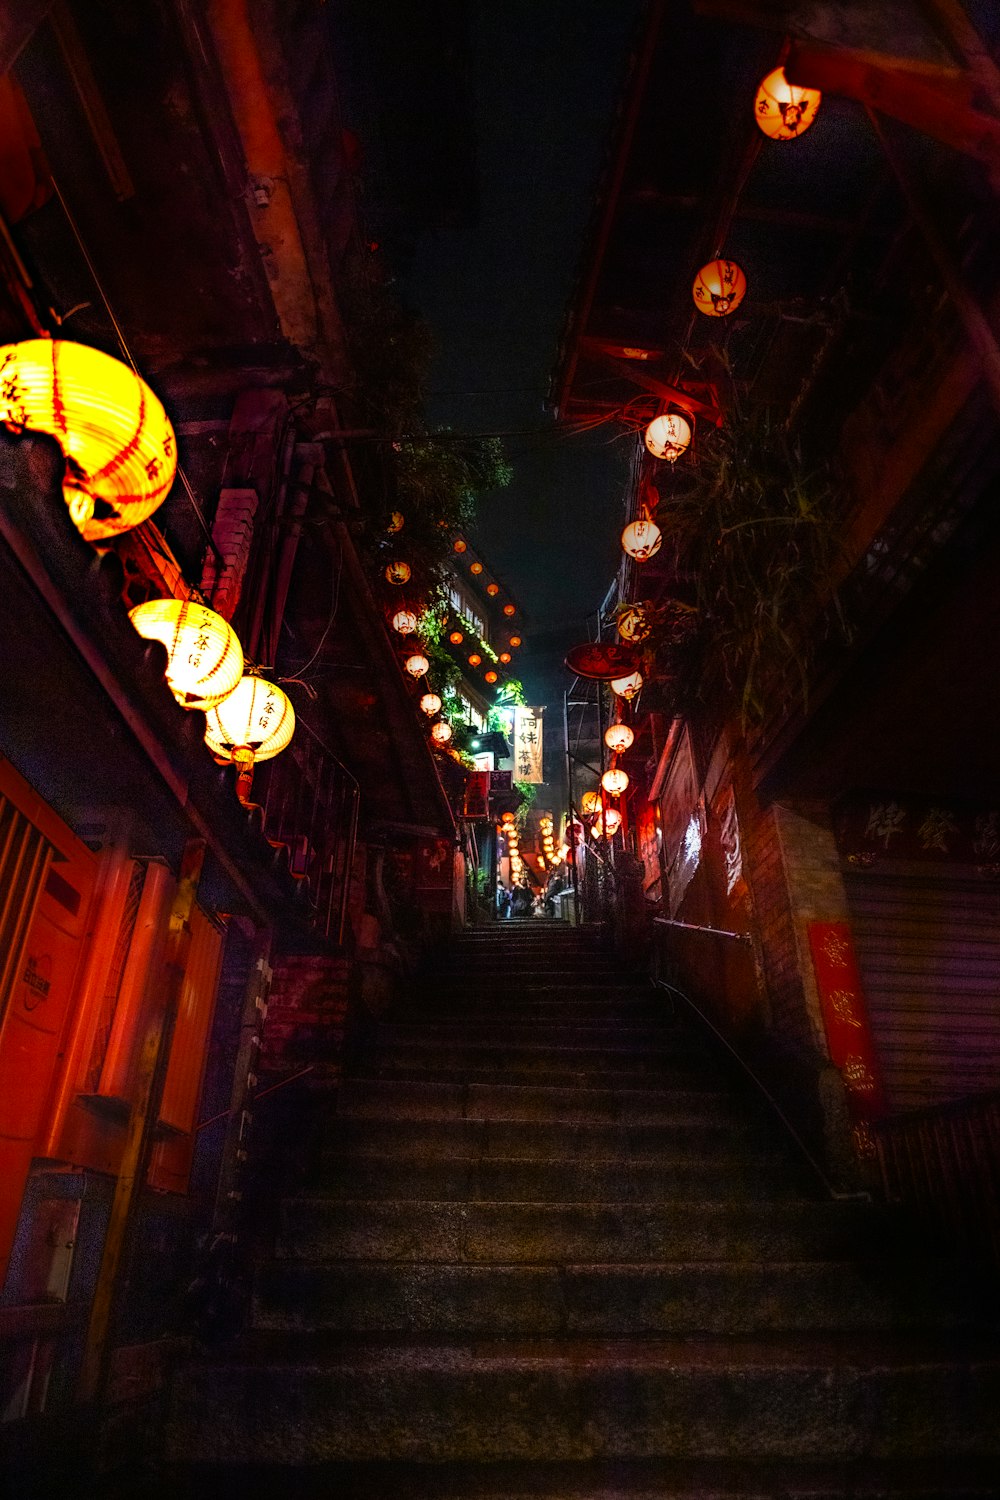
(398, 572)
(257, 716)
(589, 803)
(204, 656)
(719, 288)
(614, 782)
(404, 622)
(606, 824)
(119, 447)
(642, 540)
(416, 664)
(627, 687)
(431, 704)
(395, 522)
(668, 436)
(633, 624)
(441, 732)
(782, 109)
(618, 738)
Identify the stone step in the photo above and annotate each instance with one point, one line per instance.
(834, 1398)
(644, 1067)
(506, 1180)
(387, 1099)
(405, 1069)
(610, 1300)
(549, 1010)
(696, 1229)
(552, 1140)
(484, 1031)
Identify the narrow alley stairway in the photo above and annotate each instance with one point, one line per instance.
(551, 1250)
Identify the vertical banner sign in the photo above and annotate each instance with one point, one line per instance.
(848, 1033)
(528, 744)
(477, 793)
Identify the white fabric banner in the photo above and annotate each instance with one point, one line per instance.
(528, 744)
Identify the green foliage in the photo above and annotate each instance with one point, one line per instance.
(529, 793)
(510, 693)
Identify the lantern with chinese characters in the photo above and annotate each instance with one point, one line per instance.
(668, 436)
(404, 622)
(634, 625)
(641, 540)
(614, 782)
(606, 824)
(589, 803)
(441, 732)
(618, 738)
(254, 723)
(782, 109)
(119, 447)
(627, 687)
(204, 656)
(719, 288)
(398, 572)
(416, 664)
(395, 522)
(431, 704)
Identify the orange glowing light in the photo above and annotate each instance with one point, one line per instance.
(475, 659)
(456, 638)
(508, 609)
(493, 589)
(515, 640)
(782, 109)
(719, 288)
(490, 676)
(505, 657)
(460, 546)
(476, 567)
(204, 656)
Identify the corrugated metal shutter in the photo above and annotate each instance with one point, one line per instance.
(929, 951)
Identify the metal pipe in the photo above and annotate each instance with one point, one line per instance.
(740, 937)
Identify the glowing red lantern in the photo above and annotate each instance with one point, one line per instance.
(493, 589)
(404, 621)
(719, 288)
(490, 677)
(618, 738)
(508, 609)
(642, 540)
(505, 657)
(456, 638)
(476, 568)
(783, 110)
(460, 546)
(398, 573)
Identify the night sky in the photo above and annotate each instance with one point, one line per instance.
(544, 82)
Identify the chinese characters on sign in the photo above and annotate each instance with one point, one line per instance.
(845, 1018)
(528, 744)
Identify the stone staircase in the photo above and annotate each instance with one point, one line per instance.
(550, 1250)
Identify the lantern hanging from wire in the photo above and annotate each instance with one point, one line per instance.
(476, 568)
(606, 824)
(404, 622)
(456, 638)
(634, 625)
(589, 803)
(395, 522)
(719, 288)
(668, 436)
(627, 687)
(204, 656)
(642, 539)
(783, 110)
(416, 664)
(119, 446)
(490, 677)
(505, 657)
(515, 641)
(475, 660)
(493, 589)
(618, 738)
(459, 546)
(256, 722)
(441, 732)
(614, 782)
(398, 572)
(431, 704)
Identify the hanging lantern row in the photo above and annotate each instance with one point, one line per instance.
(441, 732)
(615, 782)
(116, 439)
(668, 436)
(404, 622)
(618, 738)
(627, 687)
(398, 573)
(396, 521)
(416, 664)
(590, 803)
(204, 656)
(430, 703)
(783, 110)
(719, 288)
(606, 824)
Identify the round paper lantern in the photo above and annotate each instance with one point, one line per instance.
(668, 436)
(475, 660)
(476, 568)
(782, 109)
(505, 657)
(416, 664)
(618, 738)
(515, 640)
(614, 782)
(627, 687)
(257, 718)
(459, 545)
(507, 817)
(589, 803)
(489, 677)
(404, 621)
(456, 638)
(119, 447)
(204, 656)
(642, 540)
(719, 288)
(395, 522)
(508, 609)
(633, 624)
(606, 824)
(441, 732)
(493, 589)
(431, 704)
(398, 572)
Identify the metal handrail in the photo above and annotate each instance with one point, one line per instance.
(740, 937)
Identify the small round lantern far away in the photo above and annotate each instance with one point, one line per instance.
(416, 664)
(489, 677)
(508, 609)
(589, 803)
(456, 638)
(395, 522)
(642, 540)
(668, 436)
(475, 660)
(459, 546)
(204, 656)
(614, 782)
(404, 621)
(493, 589)
(398, 573)
(505, 657)
(119, 447)
(515, 640)
(633, 624)
(782, 109)
(256, 722)
(627, 687)
(618, 738)
(441, 732)
(719, 288)
(476, 568)
(431, 704)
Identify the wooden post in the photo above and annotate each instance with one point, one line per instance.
(150, 1077)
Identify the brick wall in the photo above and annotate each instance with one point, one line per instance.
(306, 1017)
